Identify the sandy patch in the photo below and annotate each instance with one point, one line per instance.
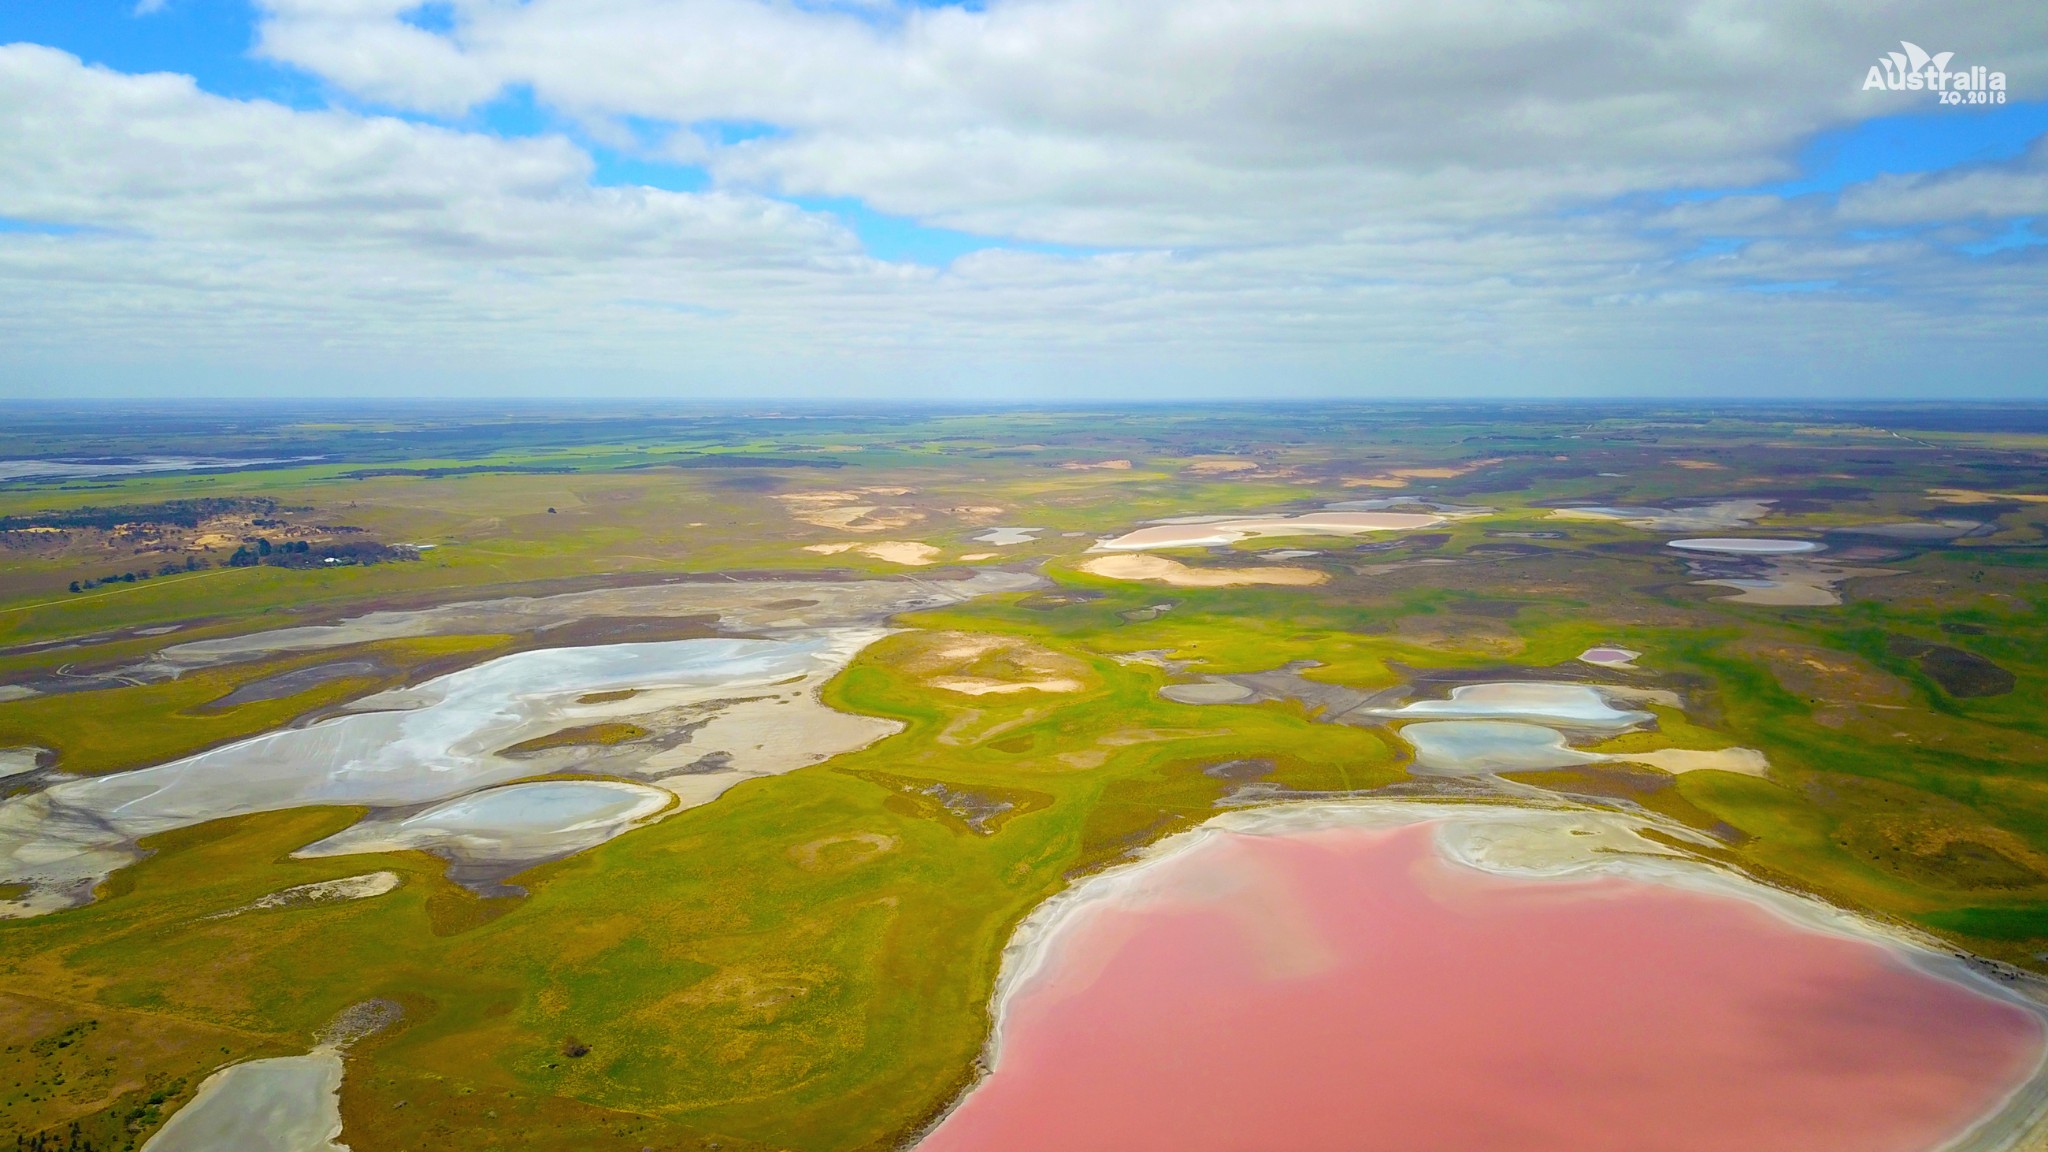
(1129, 736)
(1746, 761)
(1097, 466)
(361, 887)
(1973, 496)
(1699, 465)
(1401, 477)
(1221, 467)
(975, 686)
(972, 556)
(1166, 571)
(906, 552)
(1213, 531)
(856, 510)
(975, 664)
(832, 549)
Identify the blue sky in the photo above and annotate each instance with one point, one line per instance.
(1075, 190)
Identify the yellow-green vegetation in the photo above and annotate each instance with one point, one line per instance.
(733, 974)
(806, 962)
(579, 736)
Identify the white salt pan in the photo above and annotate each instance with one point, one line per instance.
(1745, 546)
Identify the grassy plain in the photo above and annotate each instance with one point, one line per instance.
(806, 963)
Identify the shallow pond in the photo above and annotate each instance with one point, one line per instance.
(284, 1104)
(1475, 747)
(1744, 545)
(515, 824)
(1576, 704)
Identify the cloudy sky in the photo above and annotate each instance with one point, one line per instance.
(1019, 199)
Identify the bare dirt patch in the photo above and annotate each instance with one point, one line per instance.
(906, 552)
(1167, 571)
(975, 664)
(853, 510)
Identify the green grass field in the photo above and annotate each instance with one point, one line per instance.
(806, 963)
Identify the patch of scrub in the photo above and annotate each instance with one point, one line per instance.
(1575, 704)
(283, 1104)
(580, 736)
(1214, 531)
(1745, 545)
(297, 680)
(1687, 518)
(1960, 673)
(841, 851)
(509, 828)
(1608, 656)
(1003, 537)
(1470, 944)
(336, 891)
(1480, 747)
(1163, 570)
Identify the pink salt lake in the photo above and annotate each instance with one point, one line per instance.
(1352, 990)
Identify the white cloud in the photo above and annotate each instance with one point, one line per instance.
(1187, 121)
(1296, 195)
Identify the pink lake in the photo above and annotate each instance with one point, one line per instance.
(1352, 990)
